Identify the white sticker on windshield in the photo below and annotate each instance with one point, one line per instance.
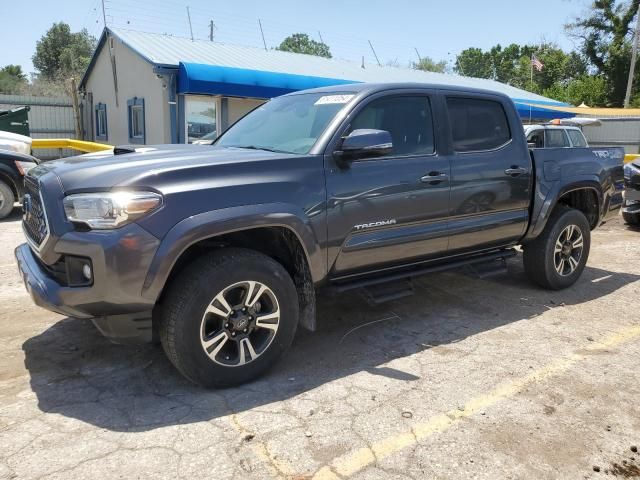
(333, 99)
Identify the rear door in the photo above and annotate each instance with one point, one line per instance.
(391, 209)
(490, 173)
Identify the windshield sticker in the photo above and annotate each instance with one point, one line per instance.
(327, 99)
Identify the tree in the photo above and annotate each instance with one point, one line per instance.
(429, 65)
(61, 53)
(473, 62)
(301, 43)
(589, 89)
(12, 79)
(605, 36)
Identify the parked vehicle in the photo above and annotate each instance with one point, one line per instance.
(631, 209)
(554, 136)
(15, 142)
(13, 167)
(219, 251)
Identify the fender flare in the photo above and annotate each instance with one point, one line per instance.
(196, 228)
(545, 203)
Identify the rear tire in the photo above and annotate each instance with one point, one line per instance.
(556, 259)
(7, 199)
(228, 317)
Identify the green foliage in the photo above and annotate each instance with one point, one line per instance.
(605, 36)
(63, 54)
(589, 89)
(302, 43)
(429, 65)
(12, 79)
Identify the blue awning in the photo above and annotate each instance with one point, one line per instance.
(197, 78)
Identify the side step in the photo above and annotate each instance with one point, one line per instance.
(386, 292)
(489, 268)
(408, 274)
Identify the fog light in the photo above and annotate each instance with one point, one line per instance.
(86, 271)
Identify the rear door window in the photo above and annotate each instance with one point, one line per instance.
(477, 124)
(536, 138)
(556, 138)
(577, 138)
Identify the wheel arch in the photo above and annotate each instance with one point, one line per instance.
(280, 235)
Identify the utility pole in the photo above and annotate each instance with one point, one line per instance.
(418, 54)
(320, 35)
(264, 42)
(634, 56)
(374, 53)
(211, 30)
(190, 27)
(104, 15)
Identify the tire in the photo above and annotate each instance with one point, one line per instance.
(542, 259)
(631, 218)
(204, 341)
(7, 199)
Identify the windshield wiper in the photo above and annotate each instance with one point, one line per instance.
(256, 147)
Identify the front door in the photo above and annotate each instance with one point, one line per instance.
(394, 208)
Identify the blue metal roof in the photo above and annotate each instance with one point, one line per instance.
(211, 67)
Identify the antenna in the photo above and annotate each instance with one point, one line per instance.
(418, 54)
(374, 53)
(190, 27)
(320, 35)
(211, 26)
(262, 33)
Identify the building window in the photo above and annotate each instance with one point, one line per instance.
(135, 111)
(101, 121)
(201, 118)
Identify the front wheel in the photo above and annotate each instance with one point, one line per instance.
(6, 199)
(228, 317)
(556, 259)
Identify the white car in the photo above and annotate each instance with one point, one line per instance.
(15, 142)
(555, 136)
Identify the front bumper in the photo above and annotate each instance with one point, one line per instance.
(120, 260)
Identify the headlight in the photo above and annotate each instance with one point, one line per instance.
(105, 210)
(24, 167)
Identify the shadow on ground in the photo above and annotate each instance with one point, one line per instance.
(77, 373)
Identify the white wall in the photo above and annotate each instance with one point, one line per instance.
(239, 107)
(135, 79)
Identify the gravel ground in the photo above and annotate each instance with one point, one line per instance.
(469, 378)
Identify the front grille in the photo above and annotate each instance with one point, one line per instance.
(34, 218)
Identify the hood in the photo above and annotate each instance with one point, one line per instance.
(105, 170)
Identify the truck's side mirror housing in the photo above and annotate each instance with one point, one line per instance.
(364, 143)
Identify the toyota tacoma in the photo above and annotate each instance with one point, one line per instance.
(219, 251)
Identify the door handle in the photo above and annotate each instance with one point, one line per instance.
(434, 178)
(515, 171)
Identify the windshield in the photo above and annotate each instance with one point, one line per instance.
(289, 124)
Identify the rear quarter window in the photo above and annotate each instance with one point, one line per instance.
(477, 124)
(577, 138)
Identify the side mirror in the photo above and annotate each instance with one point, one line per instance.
(364, 143)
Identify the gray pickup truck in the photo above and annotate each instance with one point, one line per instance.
(219, 251)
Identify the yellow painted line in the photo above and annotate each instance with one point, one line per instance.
(278, 468)
(352, 462)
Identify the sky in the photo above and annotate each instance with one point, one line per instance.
(396, 28)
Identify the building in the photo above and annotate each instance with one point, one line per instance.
(150, 88)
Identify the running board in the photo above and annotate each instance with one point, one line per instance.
(501, 255)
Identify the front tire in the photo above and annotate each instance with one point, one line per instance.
(228, 317)
(556, 259)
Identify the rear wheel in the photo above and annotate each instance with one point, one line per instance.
(7, 200)
(556, 259)
(228, 317)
